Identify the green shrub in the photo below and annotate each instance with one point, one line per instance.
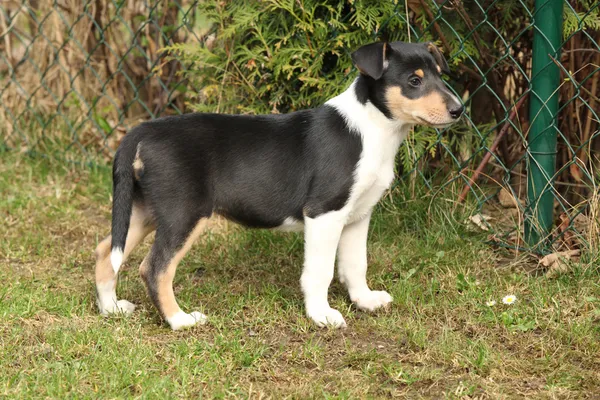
(277, 56)
(281, 55)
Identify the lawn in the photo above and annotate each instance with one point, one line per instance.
(439, 339)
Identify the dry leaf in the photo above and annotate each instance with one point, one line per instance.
(576, 171)
(556, 262)
(549, 259)
(563, 228)
(569, 237)
(480, 221)
(564, 222)
(581, 223)
(210, 41)
(506, 199)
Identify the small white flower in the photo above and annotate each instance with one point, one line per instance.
(490, 303)
(511, 298)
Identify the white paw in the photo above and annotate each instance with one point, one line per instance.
(327, 317)
(182, 320)
(120, 307)
(372, 300)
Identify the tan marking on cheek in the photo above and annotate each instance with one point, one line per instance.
(166, 298)
(430, 108)
(432, 102)
(420, 73)
(439, 69)
(433, 108)
(395, 102)
(399, 105)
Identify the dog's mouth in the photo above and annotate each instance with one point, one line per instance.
(423, 121)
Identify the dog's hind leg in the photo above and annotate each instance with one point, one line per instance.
(158, 271)
(106, 280)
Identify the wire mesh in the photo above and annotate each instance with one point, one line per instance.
(76, 75)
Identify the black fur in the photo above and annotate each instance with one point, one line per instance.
(123, 192)
(370, 59)
(439, 58)
(255, 170)
(260, 171)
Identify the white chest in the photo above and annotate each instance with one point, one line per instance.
(381, 138)
(372, 178)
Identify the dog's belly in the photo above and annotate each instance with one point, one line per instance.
(291, 224)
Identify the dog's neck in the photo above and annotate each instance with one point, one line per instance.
(366, 119)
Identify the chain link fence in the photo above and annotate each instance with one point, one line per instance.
(76, 75)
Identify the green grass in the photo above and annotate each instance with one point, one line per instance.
(439, 339)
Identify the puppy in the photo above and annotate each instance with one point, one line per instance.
(320, 170)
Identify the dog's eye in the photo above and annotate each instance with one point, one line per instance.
(414, 81)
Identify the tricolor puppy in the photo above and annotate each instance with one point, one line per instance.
(320, 171)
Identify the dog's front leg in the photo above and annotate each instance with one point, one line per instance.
(352, 267)
(321, 236)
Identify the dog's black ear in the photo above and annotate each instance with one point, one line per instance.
(439, 57)
(371, 60)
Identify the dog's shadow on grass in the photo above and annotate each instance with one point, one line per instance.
(241, 266)
(254, 264)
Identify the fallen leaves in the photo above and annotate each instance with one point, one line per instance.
(556, 263)
(480, 220)
(507, 199)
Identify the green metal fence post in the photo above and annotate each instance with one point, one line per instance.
(543, 107)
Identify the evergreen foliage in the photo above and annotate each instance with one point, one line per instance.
(282, 55)
(277, 56)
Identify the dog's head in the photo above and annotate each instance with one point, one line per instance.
(404, 80)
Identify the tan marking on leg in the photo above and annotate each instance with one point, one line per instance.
(144, 267)
(106, 279)
(420, 73)
(166, 298)
(139, 228)
(104, 270)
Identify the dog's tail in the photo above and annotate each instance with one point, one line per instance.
(123, 186)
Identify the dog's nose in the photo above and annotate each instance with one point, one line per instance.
(456, 111)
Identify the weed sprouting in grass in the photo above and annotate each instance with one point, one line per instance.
(509, 299)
